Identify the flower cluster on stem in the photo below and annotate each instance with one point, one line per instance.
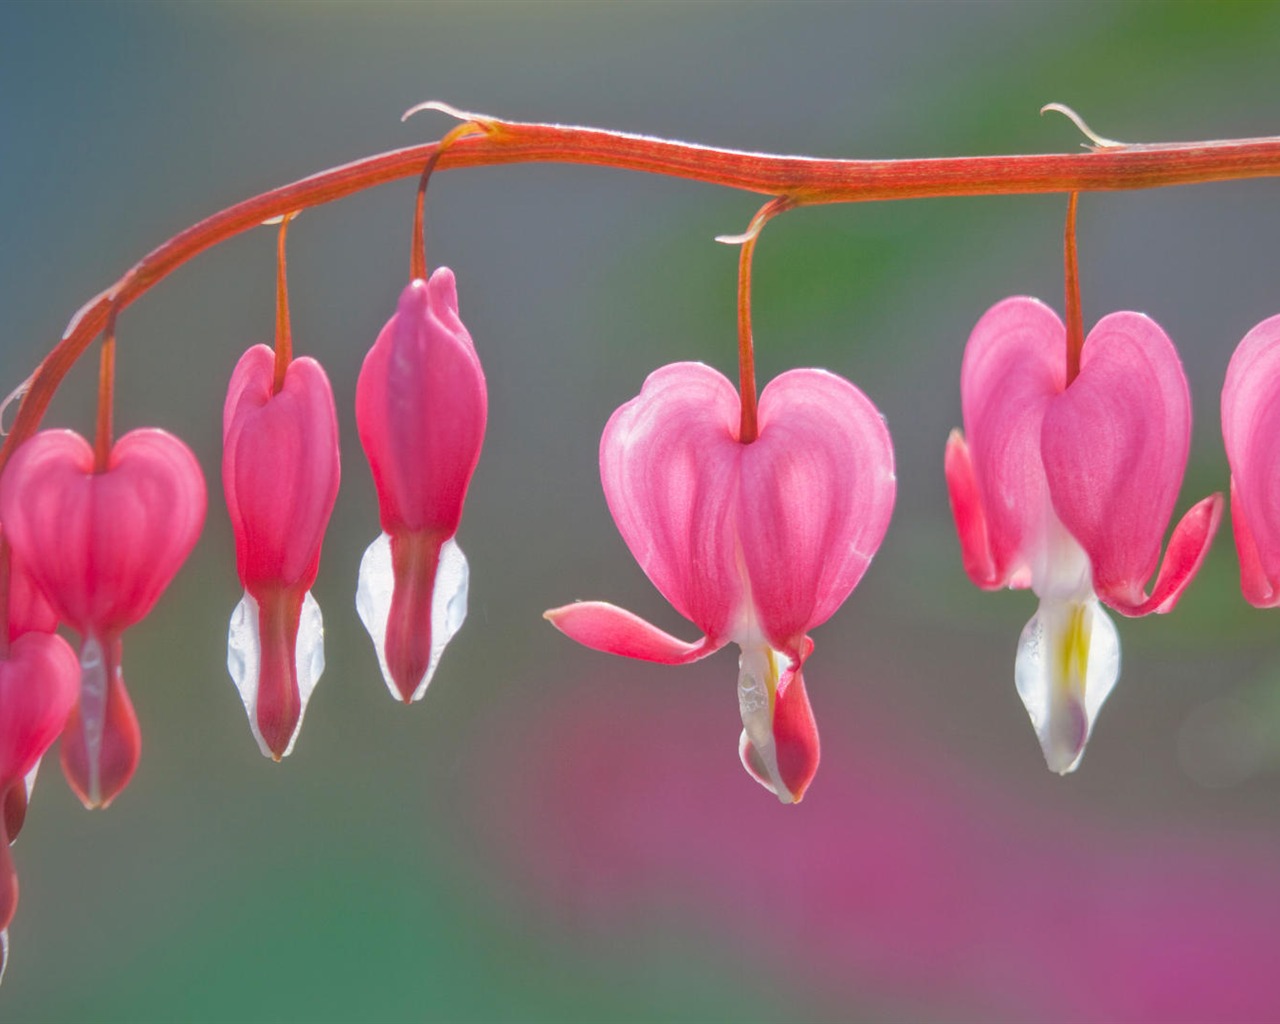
(755, 514)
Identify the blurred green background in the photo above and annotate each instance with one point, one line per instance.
(553, 835)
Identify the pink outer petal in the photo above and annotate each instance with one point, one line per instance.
(102, 546)
(669, 462)
(29, 610)
(1014, 364)
(613, 630)
(421, 407)
(1255, 584)
(816, 494)
(971, 520)
(39, 683)
(1251, 433)
(280, 469)
(1115, 446)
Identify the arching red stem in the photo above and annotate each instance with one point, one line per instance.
(803, 179)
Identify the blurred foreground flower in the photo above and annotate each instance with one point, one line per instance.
(755, 544)
(102, 546)
(1067, 487)
(421, 407)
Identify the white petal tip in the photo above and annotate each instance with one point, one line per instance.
(1067, 664)
(374, 590)
(244, 662)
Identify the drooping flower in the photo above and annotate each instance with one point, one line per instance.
(1068, 489)
(1251, 432)
(756, 544)
(102, 546)
(280, 473)
(27, 611)
(421, 407)
(39, 679)
(38, 683)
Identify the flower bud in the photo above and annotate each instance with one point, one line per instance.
(421, 407)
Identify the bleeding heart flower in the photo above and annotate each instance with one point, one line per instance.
(280, 474)
(39, 679)
(102, 546)
(1068, 489)
(755, 543)
(421, 407)
(28, 612)
(1251, 432)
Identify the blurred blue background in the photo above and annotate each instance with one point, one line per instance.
(552, 834)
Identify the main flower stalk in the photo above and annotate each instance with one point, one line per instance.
(802, 180)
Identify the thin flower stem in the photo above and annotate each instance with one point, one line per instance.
(748, 429)
(103, 438)
(805, 180)
(418, 254)
(284, 331)
(1075, 319)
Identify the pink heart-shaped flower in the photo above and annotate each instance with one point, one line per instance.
(102, 546)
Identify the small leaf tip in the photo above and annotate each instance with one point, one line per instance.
(1096, 141)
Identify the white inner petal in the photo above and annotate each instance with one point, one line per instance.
(758, 672)
(448, 603)
(1068, 662)
(30, 780)
(244, 661)
(93, 710)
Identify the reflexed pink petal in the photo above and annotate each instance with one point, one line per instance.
(816, 494)
(1014, 364)
(102, 546)
(971, 520)
(669, 462)
(280, 469)
(1115, 446)
(101, 744)
(1182, 560)
(1251, 432)
(613, 630)
(421, 407)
